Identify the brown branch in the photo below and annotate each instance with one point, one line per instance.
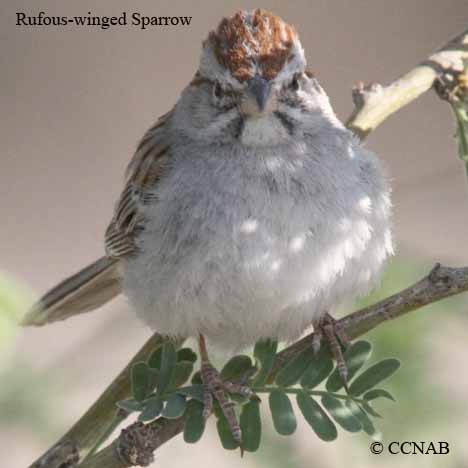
(81, 438)
(136, 444)
(440, 283)
(374, 103)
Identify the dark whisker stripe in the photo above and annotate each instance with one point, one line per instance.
(290, 101)
(287, 122)
(239, 127)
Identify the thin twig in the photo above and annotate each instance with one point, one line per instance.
(374, 103)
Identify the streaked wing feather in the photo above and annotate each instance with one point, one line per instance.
(143, 173)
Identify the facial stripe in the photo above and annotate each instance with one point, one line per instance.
(287, 122)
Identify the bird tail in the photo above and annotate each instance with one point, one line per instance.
(85, 291)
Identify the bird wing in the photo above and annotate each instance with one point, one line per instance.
(143, 173)
(99, 282)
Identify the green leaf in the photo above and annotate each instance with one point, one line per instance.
(367, 425)
(355, 357)
(264, 353)
(374, 375)
(194, 422)
(319, 368)
(167, 369)
(316, 417)
(196, 378)
(341, 414)
(140, 381)
(153, 407)
(251, 426)
(15, 300)
(460, 110)
(194, 391)
(182, 372)
(369, 410)
(130, 405)
(378, 393)
(153, 379)
(224, 434)
(154, 361)
(217, 411)
(236, 367)
(186, 354)
(175, 406)
(282, 413)
(239, 399)
(293, 370)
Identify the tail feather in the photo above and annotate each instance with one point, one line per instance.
(85, 291)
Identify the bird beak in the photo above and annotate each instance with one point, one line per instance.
(259, 96)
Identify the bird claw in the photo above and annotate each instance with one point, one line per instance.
(328, 329)
(214, 387)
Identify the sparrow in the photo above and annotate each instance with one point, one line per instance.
(249, 211)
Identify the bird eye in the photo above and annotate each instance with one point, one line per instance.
(294, 85)
(218, 90)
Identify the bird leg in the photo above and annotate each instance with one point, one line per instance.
(215, 388)
(326, 327)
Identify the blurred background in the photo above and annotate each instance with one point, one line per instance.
(74, 102)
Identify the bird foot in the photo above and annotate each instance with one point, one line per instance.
(329, 329)
(214, 387)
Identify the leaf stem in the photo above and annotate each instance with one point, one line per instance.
(296, 390)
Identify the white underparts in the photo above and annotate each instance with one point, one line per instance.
(247, 242)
